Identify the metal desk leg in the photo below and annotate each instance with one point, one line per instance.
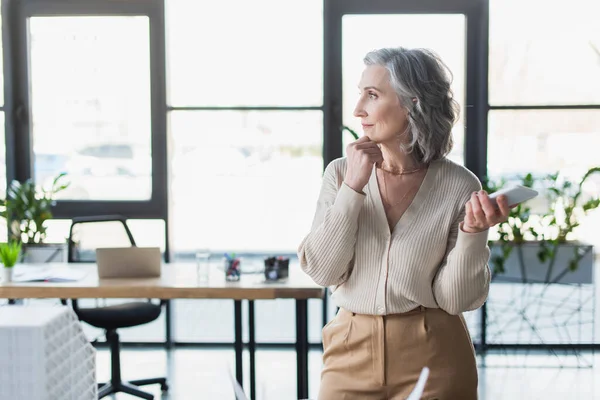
(302, 347)
(168, 324)
(239, 345)
(252, 349)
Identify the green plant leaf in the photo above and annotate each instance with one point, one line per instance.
(528, 180)
(573, 265)
(591, 205)
(27, 207)
(9, 253)
(352, 132)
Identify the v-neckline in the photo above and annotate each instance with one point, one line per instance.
(413, 208)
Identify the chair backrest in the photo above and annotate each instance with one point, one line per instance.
(89, 233)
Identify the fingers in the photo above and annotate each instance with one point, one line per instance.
(469, 218)
(369, 148)
(493, 214)
(367, 145)
(477, 210)
(486, 205)
(372, 151)
(481, 214)
(376, 158)
(362, 144)
(503, 206)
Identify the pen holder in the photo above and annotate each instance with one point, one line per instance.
(232, 269)
(276, 268)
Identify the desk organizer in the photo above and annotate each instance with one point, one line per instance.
(45, 355)
(277, 268)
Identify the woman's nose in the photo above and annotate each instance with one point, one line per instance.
(359, 111)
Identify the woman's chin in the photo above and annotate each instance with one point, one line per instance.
(370, 135)
(373, 138)
(391, 140)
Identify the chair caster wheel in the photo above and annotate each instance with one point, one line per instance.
(164, 387)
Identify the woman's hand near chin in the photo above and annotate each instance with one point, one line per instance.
(361, 156)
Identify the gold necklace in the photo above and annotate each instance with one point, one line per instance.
(387, 195)
(400, 171)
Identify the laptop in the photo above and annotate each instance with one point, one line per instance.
(128, 262)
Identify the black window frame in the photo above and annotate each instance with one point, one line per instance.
(476, 14)
(15, 14)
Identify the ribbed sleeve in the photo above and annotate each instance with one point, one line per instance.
(326, 252)
(462, 283)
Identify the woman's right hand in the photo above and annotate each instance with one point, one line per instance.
(361, 156)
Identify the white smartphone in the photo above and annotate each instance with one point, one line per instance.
(515, 194)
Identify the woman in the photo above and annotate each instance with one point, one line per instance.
(400, 236)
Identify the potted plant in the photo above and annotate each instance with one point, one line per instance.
(9, 255)
(542, 281)
(539, 246)
(26, 209)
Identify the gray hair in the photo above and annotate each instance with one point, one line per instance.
(422, 83)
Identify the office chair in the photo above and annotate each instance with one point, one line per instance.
(111, 318)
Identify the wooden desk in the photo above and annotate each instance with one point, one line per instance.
(179, 281)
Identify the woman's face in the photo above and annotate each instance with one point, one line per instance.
(382, 116)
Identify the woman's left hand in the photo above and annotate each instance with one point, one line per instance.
(480, 213)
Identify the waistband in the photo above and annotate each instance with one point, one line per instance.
(414, 311)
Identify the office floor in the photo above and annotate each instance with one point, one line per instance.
(196, 374)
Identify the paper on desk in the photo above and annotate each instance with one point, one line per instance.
(48, 274)
(420, 386)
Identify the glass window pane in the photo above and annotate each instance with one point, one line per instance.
(2, 157)
(236, 53)
(544, 52)
(57, 230)
(203, 320)
(275, 320)
(315, 320)
(547, 141)
(385, 31)
(3, 227)
(244, 181)
(1, 64)
(146, 232)
(90, 93)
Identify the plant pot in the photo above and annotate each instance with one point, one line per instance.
(523, 265)
(44, 253)
(7, 274)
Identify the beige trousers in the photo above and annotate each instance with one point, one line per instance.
(368, 357)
